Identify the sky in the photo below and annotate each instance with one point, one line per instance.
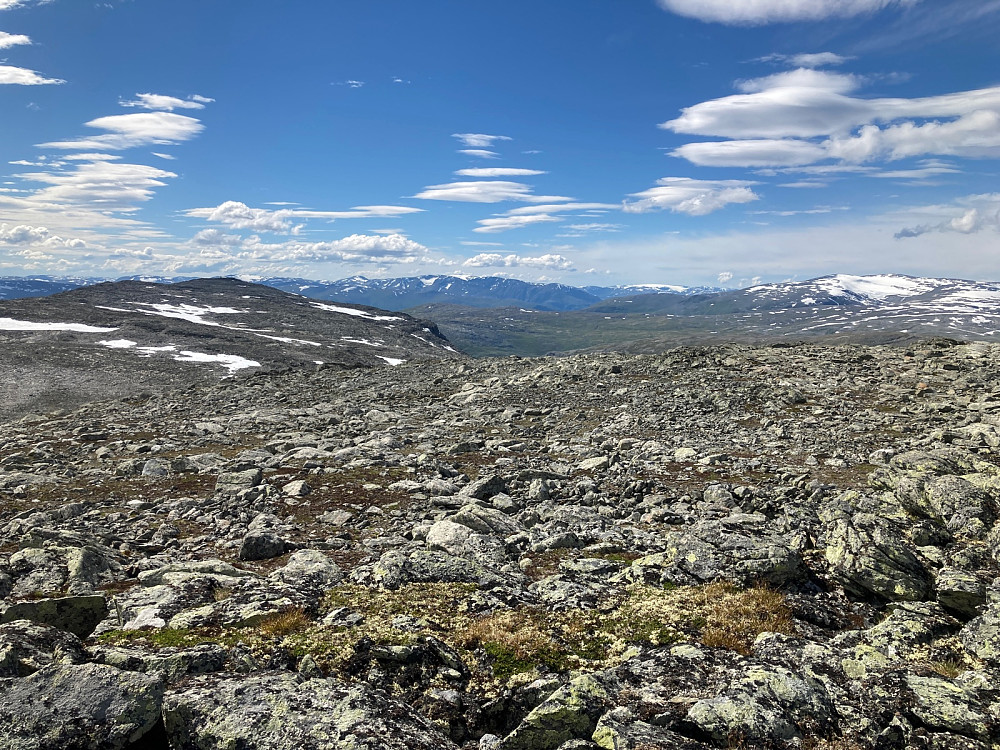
(590, 142)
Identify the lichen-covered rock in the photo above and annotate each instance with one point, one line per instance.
(868, 556)
(172, 663)
(908, 627)
(284, 711)
(53, 564)
(570, 713)
(79, 706)
(960, 592)
(981, 637)
(620, 729)
(26, 647)
(309, 568)
(487, 521)
(75, 614)
(765, 704)
(237, 481)
(746, 553)
(221, 573)
(943, 705)
(396, 568)
(261, 545)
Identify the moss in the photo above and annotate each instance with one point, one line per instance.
(171, 637)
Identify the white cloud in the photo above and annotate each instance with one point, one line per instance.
(479, 140)
(562, 207)
(12, 40)
(757, 12)
(693, 197)
(929, 170)
(725, 277)
(801, 78)
(983, 214)
(765, 152)
(808, 59)
(350, 83)
(168, 103)
(805, 116)
(357, 247)
(483, 191)
(11, 4)
(24, 77)
(140, 129)
(595, 227)
(479, 153)
(499, 172)
(216, 238)
(90, 157)
(241, 216)
(496, 260)
(104, 185)
(23, 235)
(505, 223)
(523, 216)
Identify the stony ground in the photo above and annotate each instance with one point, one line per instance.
(726, 547)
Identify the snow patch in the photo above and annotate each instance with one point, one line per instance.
(231, 362)
(393, 361)
(118, 344)
(286, 340)
(10, 324)
(876, 287)
(190, 313)
(352, 311)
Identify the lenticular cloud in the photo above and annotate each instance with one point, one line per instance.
(753, 12)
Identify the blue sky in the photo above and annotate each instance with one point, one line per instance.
(583, 141)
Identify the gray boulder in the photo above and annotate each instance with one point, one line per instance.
(569, 713)
(868, 556)
(283, 711)
(26, 647)
(75, 614)
(765, 704)
(78, 706)
(981, 637)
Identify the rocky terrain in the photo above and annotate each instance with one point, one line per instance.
(124, 338)
(724, 547)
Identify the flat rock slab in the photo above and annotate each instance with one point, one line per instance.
(283, 711)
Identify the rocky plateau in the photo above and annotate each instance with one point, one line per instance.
(731, 546)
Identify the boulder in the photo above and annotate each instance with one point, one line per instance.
(75, 614)
(869, 558)
(766, 705)
(26, 647)
(78, 706)
(284, 711)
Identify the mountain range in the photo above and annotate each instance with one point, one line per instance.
(497, 316)
(398, 293)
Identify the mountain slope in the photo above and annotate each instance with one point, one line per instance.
(402, 293)
(843, 308)
(18, 287)
(117, 338)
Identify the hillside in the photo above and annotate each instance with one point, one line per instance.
(123, 338)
